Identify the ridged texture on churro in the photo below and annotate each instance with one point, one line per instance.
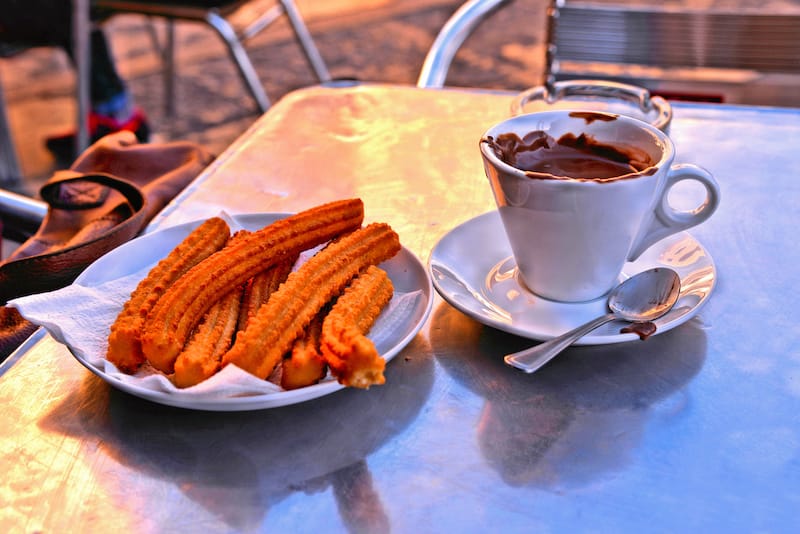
(304, 365)
(200, 358)
(351, 356)
(212, 338)
(260, 347)
(260, 287)
(124, 342)
(183, 305)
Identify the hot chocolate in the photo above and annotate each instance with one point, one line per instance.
(579, 157)
(581, 193)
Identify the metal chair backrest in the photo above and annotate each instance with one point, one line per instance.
(599, 39)
(658, 36)
(450, 38)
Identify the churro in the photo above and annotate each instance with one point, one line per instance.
(304, 365)
(200, 358)
(351, 356)
(259, 288)
(124, 343)
(182, 306)
(260, 347)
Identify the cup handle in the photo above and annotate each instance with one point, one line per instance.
(667, 220)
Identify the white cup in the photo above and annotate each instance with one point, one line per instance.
(572, 236)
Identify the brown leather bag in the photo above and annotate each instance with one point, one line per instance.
(106, 198)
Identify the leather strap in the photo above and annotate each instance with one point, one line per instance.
(57, 269)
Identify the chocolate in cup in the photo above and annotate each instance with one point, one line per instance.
(571, 227)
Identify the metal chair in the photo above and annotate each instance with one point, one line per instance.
(220, 15)
(257, 16)
(21, 215)
(684, 53)
(10, 171)
(450, 38)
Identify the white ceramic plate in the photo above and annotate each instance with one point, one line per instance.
(405, 270)
(473, 269)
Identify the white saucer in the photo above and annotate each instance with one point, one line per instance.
(473, 269)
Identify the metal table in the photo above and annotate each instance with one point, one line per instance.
(696, 430)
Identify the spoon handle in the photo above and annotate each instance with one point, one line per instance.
(530, 360)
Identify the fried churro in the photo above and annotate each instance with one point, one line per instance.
(182, 306)
(200, 358)
(259, 288)
(124, 342)
(304, 365)
(270, 334)
(351, 356)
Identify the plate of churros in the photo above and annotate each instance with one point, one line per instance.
(244, 312)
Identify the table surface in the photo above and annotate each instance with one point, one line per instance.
(698, 429)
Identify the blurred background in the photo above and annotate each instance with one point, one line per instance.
(381, 41)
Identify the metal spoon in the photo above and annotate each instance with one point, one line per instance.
(643, 297)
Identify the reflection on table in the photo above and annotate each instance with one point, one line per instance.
(694, 429)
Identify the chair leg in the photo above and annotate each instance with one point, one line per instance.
(166, 53)
(305, 40)
(10, 173)
(240, 57)
(81, 51)
(169, 70)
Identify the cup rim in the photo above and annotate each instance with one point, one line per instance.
(667, 153)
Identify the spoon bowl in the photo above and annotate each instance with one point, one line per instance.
(642, 298)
